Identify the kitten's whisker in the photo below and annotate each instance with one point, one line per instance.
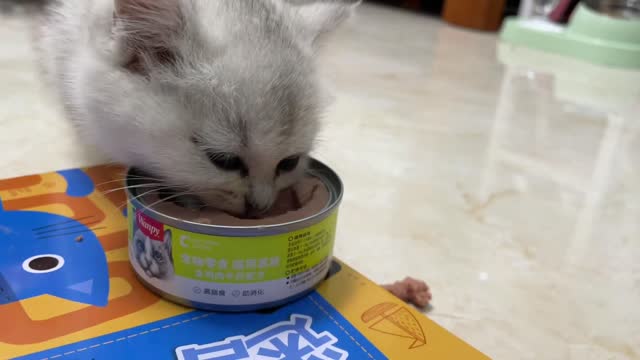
(130, 187)
(63, 222)
(185, 193)
(109, 182)
(131, 176)
(71, 233)
(223, 193)
(143, 194)
(138, 177)
(169, 198)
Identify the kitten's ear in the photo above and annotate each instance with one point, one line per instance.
(146, 30)
(318, 18)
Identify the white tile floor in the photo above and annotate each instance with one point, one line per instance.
(512, 189)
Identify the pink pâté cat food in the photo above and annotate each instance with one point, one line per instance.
(306, 199)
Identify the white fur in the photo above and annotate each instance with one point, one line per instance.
(245, 68)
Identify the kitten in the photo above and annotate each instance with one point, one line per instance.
(155, 257)
(216, 97)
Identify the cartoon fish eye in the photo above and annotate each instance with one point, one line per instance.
(42, 264)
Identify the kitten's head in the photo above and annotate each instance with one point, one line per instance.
(221, 98)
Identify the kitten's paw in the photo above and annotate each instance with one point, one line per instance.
(412, 291)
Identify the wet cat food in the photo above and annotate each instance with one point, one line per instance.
(309, 198)
(212, 260)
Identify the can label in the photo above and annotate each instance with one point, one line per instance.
(149, 227)
(223, 270)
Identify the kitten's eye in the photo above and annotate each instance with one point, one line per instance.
(288, 164)
(226, 161)
(222, 160)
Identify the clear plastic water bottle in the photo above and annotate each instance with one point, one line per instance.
(536, 8)
(621, 9)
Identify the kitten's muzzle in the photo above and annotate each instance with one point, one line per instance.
(253, 210)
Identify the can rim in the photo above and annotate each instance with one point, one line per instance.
(316, 168)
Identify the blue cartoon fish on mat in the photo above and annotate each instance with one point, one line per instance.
(43, 253)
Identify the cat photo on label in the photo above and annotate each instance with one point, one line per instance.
(43, 253)
(154, 256)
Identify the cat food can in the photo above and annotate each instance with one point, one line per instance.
(232, 268)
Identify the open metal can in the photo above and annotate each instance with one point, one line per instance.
(232, 268)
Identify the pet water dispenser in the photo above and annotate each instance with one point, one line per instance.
(604, 32)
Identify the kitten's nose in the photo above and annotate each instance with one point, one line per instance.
(252, 209)
(260, 197)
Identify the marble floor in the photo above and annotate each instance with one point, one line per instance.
(506, 178)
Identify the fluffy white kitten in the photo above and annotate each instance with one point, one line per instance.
(217, 97)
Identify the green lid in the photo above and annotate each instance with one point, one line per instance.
(590, 36)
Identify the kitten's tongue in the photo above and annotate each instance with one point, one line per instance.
(305, 199)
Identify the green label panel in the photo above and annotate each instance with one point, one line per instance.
(251, 259)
